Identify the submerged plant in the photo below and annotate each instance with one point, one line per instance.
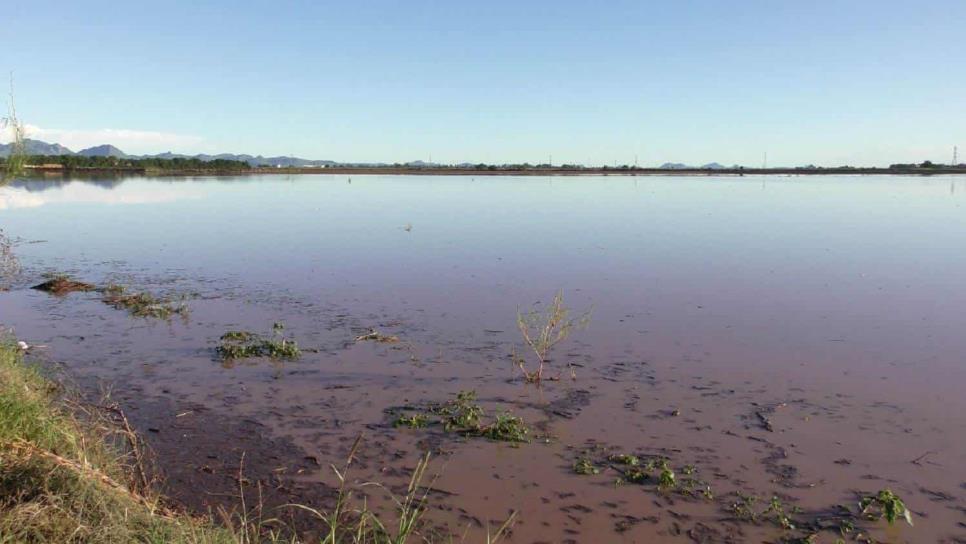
(542, 330)
(885, 504)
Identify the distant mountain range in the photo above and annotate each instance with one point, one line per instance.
(37, 147)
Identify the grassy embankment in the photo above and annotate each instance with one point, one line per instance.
(62, 481)
(63, 478)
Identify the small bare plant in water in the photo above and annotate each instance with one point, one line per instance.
(14, 165)
(542, 330)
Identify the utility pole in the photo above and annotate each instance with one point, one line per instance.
(635, 161)
(955, 155)
(764, 162)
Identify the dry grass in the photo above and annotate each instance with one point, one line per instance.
(61, 481)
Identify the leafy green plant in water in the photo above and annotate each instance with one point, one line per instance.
(542, 330)
(666, 479)
(636, 475)
(462, 414)
(780, 517)
(744, 507)
(624, 459)
(885, 504)
(585, 467)
(506, 428)
(414, 421)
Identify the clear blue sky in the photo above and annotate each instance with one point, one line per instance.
(823, 82)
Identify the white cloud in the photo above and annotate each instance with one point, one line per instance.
(130, 141)
(78, 192)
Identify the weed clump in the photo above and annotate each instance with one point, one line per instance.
(414, 421)
(506, 428)
(141, 304)
(244, 345)
(585, 467)
(460, 414)
(624, 459)
(464, 416)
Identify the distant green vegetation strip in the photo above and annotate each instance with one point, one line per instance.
(81, 162)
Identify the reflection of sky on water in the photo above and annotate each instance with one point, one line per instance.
(41, 193)
(766, 254)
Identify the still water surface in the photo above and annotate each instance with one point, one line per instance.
(834, 304)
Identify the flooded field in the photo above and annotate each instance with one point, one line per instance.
(782, 345)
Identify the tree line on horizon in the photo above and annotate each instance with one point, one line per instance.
(178, 163)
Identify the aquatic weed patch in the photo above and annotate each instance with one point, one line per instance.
(799, 526)
(585, 467)
(462, 416)
(142, 304)
(656, 472)
(245, 345)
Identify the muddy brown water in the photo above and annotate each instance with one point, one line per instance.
(832, 309)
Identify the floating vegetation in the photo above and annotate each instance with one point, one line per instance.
(142, 304)
(776, 512)
(585, 467)
(376, 336)
(462, 413)
(885, 504)
(666, 479)
(506, 428)
(624, 459)
(464, 416)
(414, 421)
(651, 470)
(244, 345)
(62, 284)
